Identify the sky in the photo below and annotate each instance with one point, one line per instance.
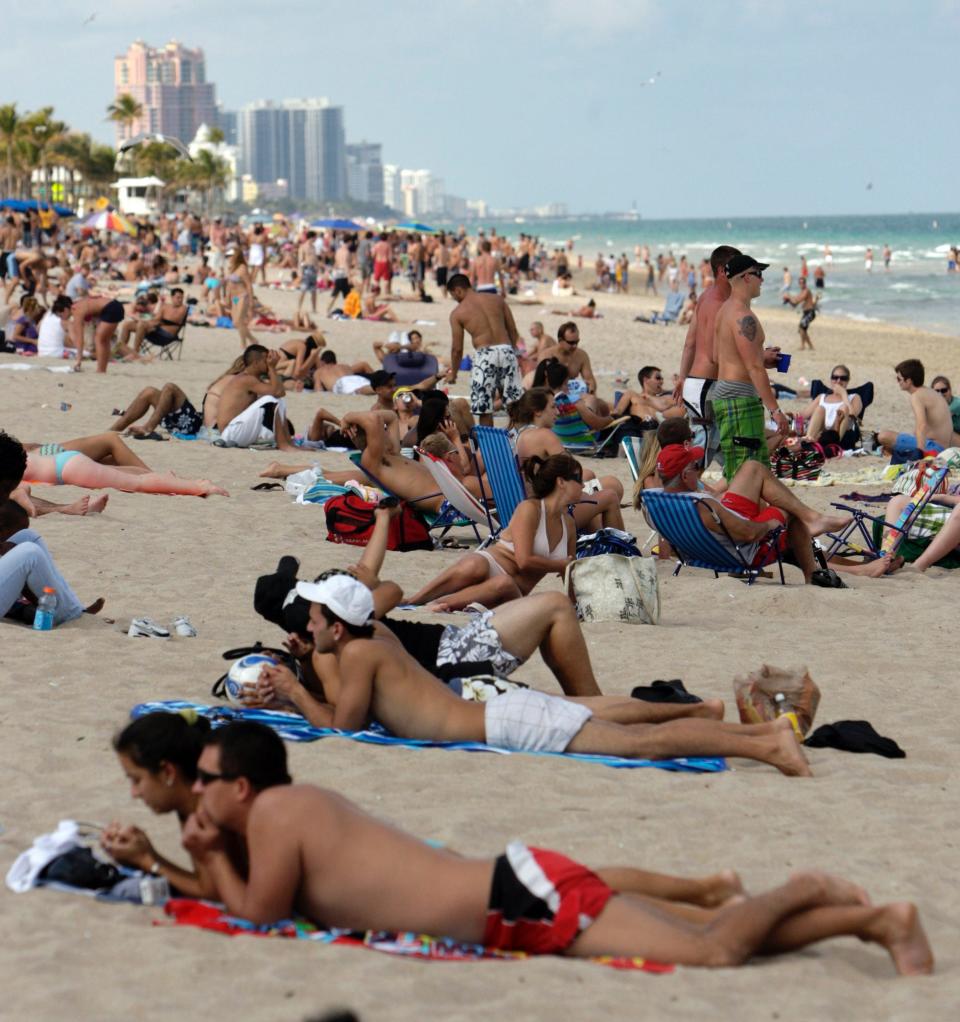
(757, 108)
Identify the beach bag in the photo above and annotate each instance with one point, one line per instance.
(803, 462)
(756, 694)
(607, 541)
(350, 520)
(612, 587)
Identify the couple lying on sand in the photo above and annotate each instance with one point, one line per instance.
(268, 848)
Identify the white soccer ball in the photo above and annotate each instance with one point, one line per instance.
(244, 674)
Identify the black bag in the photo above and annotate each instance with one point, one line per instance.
(79, 867)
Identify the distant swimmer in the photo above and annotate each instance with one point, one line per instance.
(827, 254)
(887, 256)
(868, 260)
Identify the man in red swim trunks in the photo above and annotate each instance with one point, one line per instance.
(383, 262)
(312, 851)
(755, 504)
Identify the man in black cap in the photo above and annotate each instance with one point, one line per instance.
(743, 398)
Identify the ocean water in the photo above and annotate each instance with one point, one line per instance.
(916, 291)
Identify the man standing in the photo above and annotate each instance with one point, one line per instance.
(484, 271)
(808, 303)
(743, 391)
(489, 321)
(308, 263)
(341, 274)
(698, 361)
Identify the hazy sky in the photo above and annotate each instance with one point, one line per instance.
(761, 108)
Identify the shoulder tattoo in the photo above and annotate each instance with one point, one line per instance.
(748, 327)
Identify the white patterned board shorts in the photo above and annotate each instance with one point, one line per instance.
(495, 370)
(477, 642)
(531, 721)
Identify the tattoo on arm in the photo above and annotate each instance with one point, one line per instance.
(748, 327)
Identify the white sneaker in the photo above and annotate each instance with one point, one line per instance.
(148, 628)
(183, 628)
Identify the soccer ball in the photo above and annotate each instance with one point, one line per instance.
(243, 676)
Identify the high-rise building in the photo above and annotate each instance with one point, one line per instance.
(170, 84)
(421, 194)
(365, 172)
(298, 140)
(392, 195)
(226, 121)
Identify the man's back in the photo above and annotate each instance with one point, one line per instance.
(237, 395)
(734, 317)
(482, 316)
(937, 414)
(705, 362)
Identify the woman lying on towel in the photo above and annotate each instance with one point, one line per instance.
(110, 464)
(541, 539)
(158, 752)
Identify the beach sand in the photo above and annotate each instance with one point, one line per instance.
(879, 651)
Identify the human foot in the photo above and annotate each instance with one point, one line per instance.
(819, 524)
(786, 754)
(95, 607)
(711, 709)
(208, 488)
(720, 888)
(276, 471)
(898, 929)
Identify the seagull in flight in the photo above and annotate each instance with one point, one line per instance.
(88, 20)
(651, 81)
(146, 137)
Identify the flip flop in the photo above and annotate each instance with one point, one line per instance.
(149, 436)
(267, 486)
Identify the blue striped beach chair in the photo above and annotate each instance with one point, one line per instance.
(675, 517)
(502, 469)
(578, 438)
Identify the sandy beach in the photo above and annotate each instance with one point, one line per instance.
(879, 651)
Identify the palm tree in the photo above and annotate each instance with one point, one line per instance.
(43, 133)
(10, 130)
(125, 111)
(209, 173)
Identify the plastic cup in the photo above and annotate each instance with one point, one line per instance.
(783, 362)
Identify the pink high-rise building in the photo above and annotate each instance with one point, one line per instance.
(171, 85)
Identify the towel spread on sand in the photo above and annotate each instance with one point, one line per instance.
(294, 728)
(188, 912)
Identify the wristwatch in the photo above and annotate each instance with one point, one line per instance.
(155, 868)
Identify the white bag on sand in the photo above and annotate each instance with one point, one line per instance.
(300, 482)
(611, 587)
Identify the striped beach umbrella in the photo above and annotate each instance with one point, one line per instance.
(111, 220)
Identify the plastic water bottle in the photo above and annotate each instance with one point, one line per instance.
(46, 608)
(784, 708)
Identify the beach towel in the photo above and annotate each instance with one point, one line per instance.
(189, 912)
(741, 418)
(294, 728)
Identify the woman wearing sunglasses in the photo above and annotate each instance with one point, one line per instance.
(158, 753)
(830, 416)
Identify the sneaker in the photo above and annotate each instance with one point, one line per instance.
(148, 628)
(183, 628)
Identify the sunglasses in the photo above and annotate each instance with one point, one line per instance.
(754, 273)
(942, 390)
(572, 343)
(205, 777)
(840, 379)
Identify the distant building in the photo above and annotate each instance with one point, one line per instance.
(227, 153)
(170, 84)
(365, 172)
(476, 208)
(454, 207)
(226, 121)
(139, 196)
(300, 141)
(421, 194)
(392, 195)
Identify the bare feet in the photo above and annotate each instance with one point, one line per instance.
(787, 755)
(85, 506)
(820, 524)
(898, 929)
(208, 489)
(720, 888)
(876, 568)
(712, 709)
(277, 471)
(97, 504)
(95, 607)
(439, 607)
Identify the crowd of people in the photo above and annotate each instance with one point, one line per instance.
(265, 846)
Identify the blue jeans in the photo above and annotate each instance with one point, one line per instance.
(30, 564)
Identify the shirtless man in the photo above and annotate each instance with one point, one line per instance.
(651, 402)
(304, 844)
(698, 360)
(379, 681)
(485, 272)
(742, 397)
(341, 377)
(161, 328)
(933, 425)
(28, 269)
(808, 304)
(383, 262)
(342, 262)
(567, 352)
(308, 264)
(253, 410)
(489, 321)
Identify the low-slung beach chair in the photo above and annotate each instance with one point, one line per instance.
(165, 346)
(578, 438)
(675, 517)
(471, 510)
(502, 470)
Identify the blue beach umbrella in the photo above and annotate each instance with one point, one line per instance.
(335, 224)
(22, 205)
(415, 228)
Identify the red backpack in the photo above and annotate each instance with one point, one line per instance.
(350, 520)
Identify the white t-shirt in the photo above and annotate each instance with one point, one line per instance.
(51, 337)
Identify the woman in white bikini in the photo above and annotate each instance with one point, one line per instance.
(833, 412)
(541, 539)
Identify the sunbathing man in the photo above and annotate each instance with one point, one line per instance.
(341, 378)
(253, 410)
(379, 681)
(304, 843)
(754, 504)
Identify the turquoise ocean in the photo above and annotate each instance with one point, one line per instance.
(916, 291)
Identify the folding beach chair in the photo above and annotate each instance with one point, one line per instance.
(472, 512)
(164, 345)
(632, 447)
(675, 517)
(502, 470)
(864, 392)
(578, 438)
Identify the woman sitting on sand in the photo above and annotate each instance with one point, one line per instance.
(541, 539)
(532, 418)
(158, 752)
(831, 416)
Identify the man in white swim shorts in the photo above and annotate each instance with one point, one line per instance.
(253, 410)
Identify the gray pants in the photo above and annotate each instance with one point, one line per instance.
(31, 565)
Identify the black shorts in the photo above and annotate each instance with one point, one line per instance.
(807, 318)
(112, 312)
(441, 276)
(185, 419)
(4, 268)
(341, 286)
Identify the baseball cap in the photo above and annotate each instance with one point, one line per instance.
(740, 264)
(673, 459)
(344, 595)
(380, 378)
